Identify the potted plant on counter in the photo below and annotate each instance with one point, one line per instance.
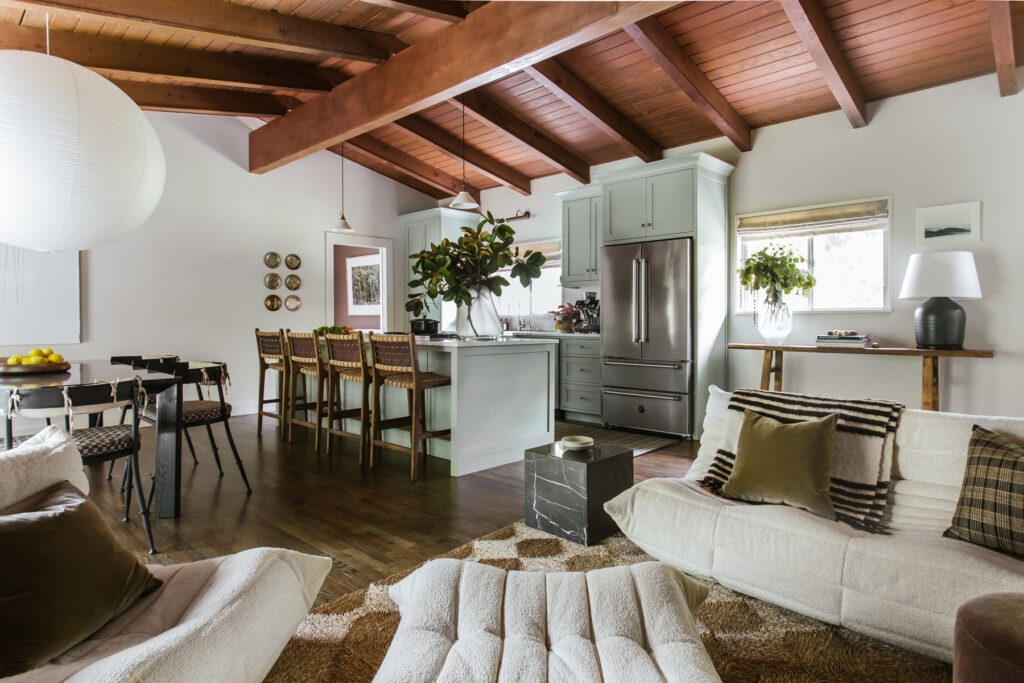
(776, 270)
(465, 271)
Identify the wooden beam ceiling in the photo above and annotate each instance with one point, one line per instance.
(817, 37)
(120, 58)
(231, 22)
(504, 39)
(578, 95)
(453, 147)
(409, 165)
(192, 100)
(1001, 24)
(357, 157)
(445, 10)
(660, 46)
(496, 117)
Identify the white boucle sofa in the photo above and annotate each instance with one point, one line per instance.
(903, 587)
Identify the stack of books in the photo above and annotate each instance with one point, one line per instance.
(844, 340)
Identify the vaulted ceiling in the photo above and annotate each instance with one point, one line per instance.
(626, 79)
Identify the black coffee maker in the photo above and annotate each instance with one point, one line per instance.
(590, 308)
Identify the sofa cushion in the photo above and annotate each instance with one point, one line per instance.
(672, 520)
(990, 511)
(63, 575)
(716, 419)
(465, 621)
(45, 459)
(221, 619)
(784, 463)
(783, 555)
(906, 587)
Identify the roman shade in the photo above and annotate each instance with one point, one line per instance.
(853, 216)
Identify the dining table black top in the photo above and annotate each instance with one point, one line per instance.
(88, 372)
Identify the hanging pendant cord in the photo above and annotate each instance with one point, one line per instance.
(343, 178)
(462, 100)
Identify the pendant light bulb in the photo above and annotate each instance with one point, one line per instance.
(463, 200)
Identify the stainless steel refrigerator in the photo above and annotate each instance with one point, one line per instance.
(646, 344)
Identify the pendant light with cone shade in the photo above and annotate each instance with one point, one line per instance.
(464, 200)
(342, 225)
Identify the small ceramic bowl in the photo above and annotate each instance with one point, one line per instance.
(577, 443)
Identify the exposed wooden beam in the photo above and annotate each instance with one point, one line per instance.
(409, 165)
(445, 10)
(660, 46)
(578, 95)
(371, 164)
(120, 58)
(817, 37)
(452, 146)
(1001, 23)
(229, 21)
(500, 119)
(192, 100)
(502, 39)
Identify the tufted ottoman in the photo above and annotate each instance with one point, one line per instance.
(988, 642)
(472, 622)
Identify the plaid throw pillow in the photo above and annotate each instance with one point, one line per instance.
(990, 511)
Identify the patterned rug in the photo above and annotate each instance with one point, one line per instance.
(749, 640)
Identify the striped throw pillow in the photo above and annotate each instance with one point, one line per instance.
(990, 511)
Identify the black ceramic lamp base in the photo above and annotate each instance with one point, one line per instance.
(939, 323)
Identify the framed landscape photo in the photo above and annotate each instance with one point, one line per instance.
(364, 284)
(949, 224)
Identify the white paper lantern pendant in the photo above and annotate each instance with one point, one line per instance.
(80, 164)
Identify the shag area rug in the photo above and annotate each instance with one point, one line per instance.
(749, 640)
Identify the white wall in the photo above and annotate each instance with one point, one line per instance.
(954, 143)
(190, 281)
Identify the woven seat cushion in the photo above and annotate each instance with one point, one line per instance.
(310, 370)
(428, 380)
(103, 440)
(350, 374)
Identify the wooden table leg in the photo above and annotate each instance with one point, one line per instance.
(168, 452)
(930, 383)
(766, 370)
(777, 369)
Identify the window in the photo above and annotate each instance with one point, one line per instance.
(844, 246)
(544, 293)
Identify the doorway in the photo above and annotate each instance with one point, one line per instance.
(358, 269)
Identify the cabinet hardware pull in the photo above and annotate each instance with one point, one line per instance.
(639, 395)
(580, 397)
(670, 366)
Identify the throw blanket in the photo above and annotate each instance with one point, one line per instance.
(865, 433)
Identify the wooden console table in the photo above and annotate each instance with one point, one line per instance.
(772, 364)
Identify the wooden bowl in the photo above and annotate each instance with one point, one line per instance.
(576, 443)
(38, 369)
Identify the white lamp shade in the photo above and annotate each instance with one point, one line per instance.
(80, 164)
(342, 225)
(464, 200)
(941, 273)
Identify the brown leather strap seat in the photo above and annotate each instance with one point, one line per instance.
(428, 380)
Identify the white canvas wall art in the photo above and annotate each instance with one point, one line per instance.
(39, 298)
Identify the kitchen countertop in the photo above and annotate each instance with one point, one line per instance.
(553, 334)
(448, 344)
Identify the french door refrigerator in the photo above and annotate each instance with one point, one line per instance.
(645, 335)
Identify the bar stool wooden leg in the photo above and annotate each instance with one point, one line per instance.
(414, 434)
(333, 388)
(364, 421)
(375, 431)
(317, 420)
(291, 404)
(259, 400)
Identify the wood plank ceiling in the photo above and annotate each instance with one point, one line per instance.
(696, 71)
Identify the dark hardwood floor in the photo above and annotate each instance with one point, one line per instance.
(371, 523)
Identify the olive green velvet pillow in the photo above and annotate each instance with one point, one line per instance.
(784, 463)
(63, 575)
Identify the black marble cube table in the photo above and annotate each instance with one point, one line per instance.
(566, 490)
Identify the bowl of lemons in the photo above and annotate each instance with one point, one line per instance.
(34, 362)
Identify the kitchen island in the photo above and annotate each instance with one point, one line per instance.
(501, 400)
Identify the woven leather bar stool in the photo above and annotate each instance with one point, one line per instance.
(271, 348)
(304, 360)
(346, 362)
(395, 364)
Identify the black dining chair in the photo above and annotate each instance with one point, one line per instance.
(96, 444)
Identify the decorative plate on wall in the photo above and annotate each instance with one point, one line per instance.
(293, 282)
(272, 302)
(292, 261)
(293, 303)
(272, 259)
(272, 280)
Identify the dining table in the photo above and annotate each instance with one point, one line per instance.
(165, 387)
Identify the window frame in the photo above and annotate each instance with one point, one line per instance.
(886, 251)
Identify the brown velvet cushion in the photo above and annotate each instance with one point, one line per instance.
(63, 575)
(988, 641)
(784, 463)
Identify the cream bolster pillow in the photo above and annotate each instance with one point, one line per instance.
(39, 462)
(467, 622)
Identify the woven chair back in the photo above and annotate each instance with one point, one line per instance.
(270, 344)
(394, 352)
(304, 347)
(346, 350)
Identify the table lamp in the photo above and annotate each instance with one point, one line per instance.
(937, 276)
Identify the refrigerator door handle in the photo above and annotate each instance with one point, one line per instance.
(643, 301)
(636, 312)
(637, 394)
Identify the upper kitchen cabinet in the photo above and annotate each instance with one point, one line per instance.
(581, 237)
(657, 200)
